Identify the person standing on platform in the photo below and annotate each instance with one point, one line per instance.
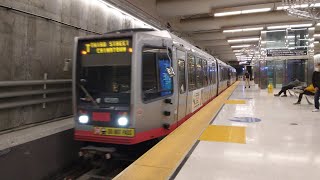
(316, 84)
(247, 79)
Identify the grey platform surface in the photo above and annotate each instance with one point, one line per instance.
(19, 137)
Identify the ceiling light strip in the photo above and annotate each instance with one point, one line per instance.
(125, 13)
(255, 10)
(248, 11)
(289, 26)
(243, 29)
(241, 46)
(243, 40)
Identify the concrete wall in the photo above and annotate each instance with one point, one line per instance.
(40, 159)
(31, 46)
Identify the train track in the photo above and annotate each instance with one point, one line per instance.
(105, 173)
(102, 168)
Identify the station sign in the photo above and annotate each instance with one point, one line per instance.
(286, 52)
(106, 47)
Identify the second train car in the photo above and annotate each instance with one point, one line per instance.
(133, 86)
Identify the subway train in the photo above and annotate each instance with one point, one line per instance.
(135, 85)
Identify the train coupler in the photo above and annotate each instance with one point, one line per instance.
(92, 151)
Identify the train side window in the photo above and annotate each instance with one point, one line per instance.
(156, 82)
(221, 73)
(205, 73)
(199, 73)
(182, 75)
(191, 73)
(209, 74)
(224, 73)
(214, 73)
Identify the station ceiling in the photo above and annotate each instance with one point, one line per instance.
(221, 26)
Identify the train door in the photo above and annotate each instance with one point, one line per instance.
(159, 102)
(218, 77)
(182, 89)
(191, 76)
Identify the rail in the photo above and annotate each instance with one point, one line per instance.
(34, 82)
(29, 93)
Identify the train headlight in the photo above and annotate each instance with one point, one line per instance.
(83, 119)
(123, 121)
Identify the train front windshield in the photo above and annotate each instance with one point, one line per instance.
(106, 79)
(104, 72)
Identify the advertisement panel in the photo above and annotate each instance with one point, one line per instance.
(196, 99)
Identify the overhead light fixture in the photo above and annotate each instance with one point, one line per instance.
(253, 29)
(279, 30)
(255, 10)
(289, 26)
(290, 37)
(232, 30)
(264, 42)
(231, 13)
(243, 40)
(236, 50)
(243, 29)
(316, 35)
(278, 27)
(316, 42)
(241, 46)
(248, 11)
(300, 25)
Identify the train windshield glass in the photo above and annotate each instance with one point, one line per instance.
(106, 79)
(105, 70)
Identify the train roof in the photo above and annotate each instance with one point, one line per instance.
(181, 42)
(165, 34)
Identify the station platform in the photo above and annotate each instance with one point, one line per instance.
(38, 151)
(243, 134)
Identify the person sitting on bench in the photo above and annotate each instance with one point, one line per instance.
(307, 91)
(291, 85)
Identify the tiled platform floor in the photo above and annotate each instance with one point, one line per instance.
(284, 145)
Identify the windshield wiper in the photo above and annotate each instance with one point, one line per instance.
(88, 95)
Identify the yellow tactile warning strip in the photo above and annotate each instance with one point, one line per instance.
(235, 101)
(162, 160)
(232, 134)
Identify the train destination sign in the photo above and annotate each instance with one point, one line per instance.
(107, 47)
(286, 52)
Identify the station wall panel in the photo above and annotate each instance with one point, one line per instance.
(32, 46)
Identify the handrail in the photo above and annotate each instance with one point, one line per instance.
(18, 93)
(31, 102)
(33, 92)
(34, 82)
